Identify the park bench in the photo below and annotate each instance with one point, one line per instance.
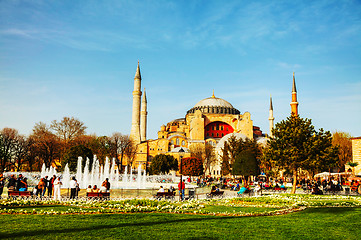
(166, 195)
(215, 194)
(279, 189)
(20, 194)
(356, 189)
(98, 195)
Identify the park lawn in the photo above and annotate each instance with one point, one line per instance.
(312, 223)
(231, 209)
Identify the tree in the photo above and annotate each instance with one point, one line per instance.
(71, 157)
(296, 145)
(119, 146)
(343, 141)
(8, 140)
(225, 166)
(206, 154)
(130, 151)
(245, 164)
(242, 155)
(191, 166)
(68, 128)
(209, 158)
(100, 146)
(20, 151)
(45, 144)
(353, 165)
(163, 164)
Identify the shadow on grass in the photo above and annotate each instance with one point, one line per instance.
(333, 210)
(43, 233)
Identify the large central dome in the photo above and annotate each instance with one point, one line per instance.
(213, 102)
(214, 105)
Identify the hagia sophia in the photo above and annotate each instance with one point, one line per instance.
(211, 121)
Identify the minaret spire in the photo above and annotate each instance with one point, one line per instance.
(294, 103)
(137, 93)
(271, 118)
(143, 118)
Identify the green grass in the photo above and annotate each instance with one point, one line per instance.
(222, 209)
(313, 223)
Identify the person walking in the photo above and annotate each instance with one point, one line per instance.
(41, 186)
(181, 187)
(57, 185)
(72, 185)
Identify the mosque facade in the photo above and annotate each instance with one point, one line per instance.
(208, 122)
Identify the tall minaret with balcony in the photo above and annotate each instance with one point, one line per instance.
(271, 118)
(143, 118)
(137, 93)
(294, 103)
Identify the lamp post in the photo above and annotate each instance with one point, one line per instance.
(181, 189)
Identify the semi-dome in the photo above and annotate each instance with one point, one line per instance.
(214, 105)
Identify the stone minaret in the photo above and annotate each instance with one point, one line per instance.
(143, 118)
(271, 118)
(137, 93)
(294, 103)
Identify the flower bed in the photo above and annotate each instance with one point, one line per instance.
(272, 205)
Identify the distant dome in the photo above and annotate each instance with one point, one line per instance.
(214, 105)
(224, 139)
(262, 141)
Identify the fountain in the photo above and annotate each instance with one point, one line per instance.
(99, 173)
(95, 174)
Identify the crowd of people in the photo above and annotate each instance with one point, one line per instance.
(46, 187)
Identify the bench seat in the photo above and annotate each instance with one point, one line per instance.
(166, 195)
(19, 193)
(215, 194)
(98, 195)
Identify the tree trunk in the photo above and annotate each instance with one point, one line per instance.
(294, 181)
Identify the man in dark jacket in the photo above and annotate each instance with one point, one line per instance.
(19, 183)
(12, 183)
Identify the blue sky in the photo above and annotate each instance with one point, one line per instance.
(78, 58)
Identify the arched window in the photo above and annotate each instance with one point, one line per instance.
(177, 141)
(171, 142)
(183, 143)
